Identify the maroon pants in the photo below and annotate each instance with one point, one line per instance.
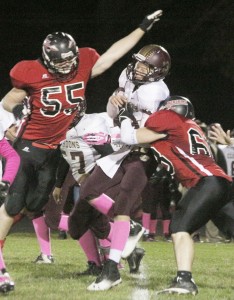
(124, 188)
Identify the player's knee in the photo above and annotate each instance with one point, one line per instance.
(75, 228)
(35, 207)
(14, 205)
(37, 203)
(88, 198)
(36, 215)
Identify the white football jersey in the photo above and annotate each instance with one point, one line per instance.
(228, 152)
(145, 99)
(81, 156)
(116, 142)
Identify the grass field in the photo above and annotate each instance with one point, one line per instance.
(213, 272)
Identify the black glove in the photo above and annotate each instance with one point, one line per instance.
(160, 175)
(4, 188)
(149, 20)
(125, 112)
(18, 111)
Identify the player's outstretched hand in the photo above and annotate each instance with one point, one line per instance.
(218, 135)
(149, 20)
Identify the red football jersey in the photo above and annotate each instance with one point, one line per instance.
(184, 152)
(53, 103)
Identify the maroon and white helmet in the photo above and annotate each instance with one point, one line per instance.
(60, 55)
(156, 58)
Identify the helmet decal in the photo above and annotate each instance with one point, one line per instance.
(180, 105)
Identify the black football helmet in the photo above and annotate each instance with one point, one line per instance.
(81, 109)
(180, 105)
(156, 58)
(61, 55)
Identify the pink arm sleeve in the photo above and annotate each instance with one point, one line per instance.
(12, 160)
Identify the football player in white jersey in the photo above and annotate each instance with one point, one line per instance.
(8, 153)
(141, 85)
(225, 142)
(7, 177)
(81, 158)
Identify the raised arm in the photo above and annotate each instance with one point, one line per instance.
(121, 47)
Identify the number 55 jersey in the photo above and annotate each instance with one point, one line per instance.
(53, 103)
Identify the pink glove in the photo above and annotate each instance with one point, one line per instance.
(98, 138)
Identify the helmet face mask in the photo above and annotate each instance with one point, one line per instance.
(64, 66)
(155, 58)
(60, 55)
(180, 105)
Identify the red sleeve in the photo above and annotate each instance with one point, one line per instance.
(94, 55)
(20, 74)
(88, 57)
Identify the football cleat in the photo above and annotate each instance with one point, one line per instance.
(134, 259)
(167, 237)
(62, 235)
(150, 237)
(44, 259)
(6, 284)
(136, 232)
(108, 278)
(92, 270)
(180, 286)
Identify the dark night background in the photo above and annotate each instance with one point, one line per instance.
(198, 34)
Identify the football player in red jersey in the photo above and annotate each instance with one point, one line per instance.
(180, 145)
(55, 86)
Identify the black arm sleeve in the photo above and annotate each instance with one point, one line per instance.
(103, 149)
(62, 171)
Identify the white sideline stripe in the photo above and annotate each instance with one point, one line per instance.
(196, 163)
(137, 292)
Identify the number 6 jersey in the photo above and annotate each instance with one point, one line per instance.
(184, 151)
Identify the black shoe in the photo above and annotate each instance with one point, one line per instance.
(150, 237)
(109, 277)
(134, 259)
(92, 270)
(135, 228)
(180, 286)
(6, 284)
(44, 259)
(136, 232)
(62, 235)
(167, 238)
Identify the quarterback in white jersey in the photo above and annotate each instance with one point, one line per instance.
(140, 84)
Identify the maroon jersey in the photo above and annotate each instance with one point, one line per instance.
(53, 103)
(185, 151)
